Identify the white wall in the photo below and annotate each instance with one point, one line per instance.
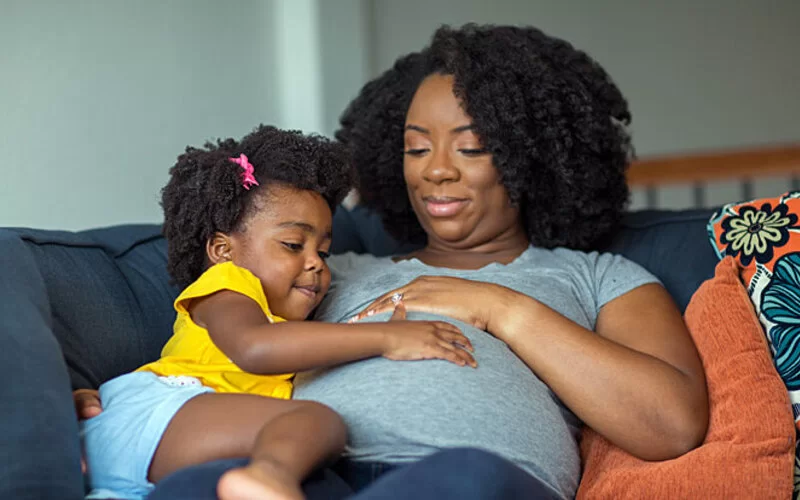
(98, 97)
(698, 75)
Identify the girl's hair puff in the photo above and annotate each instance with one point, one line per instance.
(205, 193)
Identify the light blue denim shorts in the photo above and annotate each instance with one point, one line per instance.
(119, 444)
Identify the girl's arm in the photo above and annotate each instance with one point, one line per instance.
(239, 328)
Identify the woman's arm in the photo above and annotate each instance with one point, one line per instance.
(637, 380)
(239, 328)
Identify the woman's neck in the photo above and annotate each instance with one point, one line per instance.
(503, 250)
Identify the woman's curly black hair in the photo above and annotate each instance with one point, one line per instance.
(551, 117)
(205, 193)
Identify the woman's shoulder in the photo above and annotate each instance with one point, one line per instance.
(603, 275)
(564, 254)
(593, 263)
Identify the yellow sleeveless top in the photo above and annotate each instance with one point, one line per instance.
(191, 352)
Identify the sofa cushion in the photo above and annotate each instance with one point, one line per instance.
(108, 295)
(670, 244)
(763, 236)
(39, 427)
(749, 448)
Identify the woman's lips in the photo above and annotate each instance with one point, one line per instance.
(444, 207)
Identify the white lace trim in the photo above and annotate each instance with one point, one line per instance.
(180, 381)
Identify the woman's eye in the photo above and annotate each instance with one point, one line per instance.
(473, 152)
(294, 247)
(415, 152)
(324, 255)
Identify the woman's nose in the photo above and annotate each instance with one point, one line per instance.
(440, 168)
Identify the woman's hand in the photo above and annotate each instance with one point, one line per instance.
(473, 302)
(415, 340)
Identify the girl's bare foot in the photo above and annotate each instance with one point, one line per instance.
(259, 480)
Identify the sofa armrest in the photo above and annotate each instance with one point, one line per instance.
(40, 432)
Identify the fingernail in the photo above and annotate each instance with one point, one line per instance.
(370, 313)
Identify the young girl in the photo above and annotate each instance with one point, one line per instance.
(248, 228)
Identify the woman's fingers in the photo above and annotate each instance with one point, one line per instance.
(380, 305)
(399, 313)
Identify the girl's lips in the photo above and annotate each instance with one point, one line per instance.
(444, 207)
(310, 292)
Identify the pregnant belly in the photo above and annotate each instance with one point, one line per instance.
(399, 411)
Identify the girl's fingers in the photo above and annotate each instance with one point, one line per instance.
(457, 338)
(464, 358)
(447, 352)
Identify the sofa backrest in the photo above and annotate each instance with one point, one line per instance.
(105, 294)
(107, 297)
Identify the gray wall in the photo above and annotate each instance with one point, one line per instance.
(698, 75)
(345, 42)
(98, 97)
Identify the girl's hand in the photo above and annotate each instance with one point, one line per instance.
(87, 403)
(414, 340)
(473, 302)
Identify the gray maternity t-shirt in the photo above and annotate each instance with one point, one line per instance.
(400, 411)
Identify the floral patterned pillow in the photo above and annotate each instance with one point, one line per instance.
(764, 238)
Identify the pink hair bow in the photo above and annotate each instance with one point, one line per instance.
(247, 176)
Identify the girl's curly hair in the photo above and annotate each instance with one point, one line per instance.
(554, 122)
(205, 194)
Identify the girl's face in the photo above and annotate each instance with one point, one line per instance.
(453, 186)
(285, 244)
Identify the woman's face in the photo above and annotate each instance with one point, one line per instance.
(452, 184)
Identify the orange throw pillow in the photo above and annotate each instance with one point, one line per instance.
(749, 449)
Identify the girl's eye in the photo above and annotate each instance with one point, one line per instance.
(294, 247)
(415, 152)
(473, 152)
(324, 255)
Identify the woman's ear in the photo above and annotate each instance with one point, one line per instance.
(218, 248)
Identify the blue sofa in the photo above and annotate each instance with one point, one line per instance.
(79, 308)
